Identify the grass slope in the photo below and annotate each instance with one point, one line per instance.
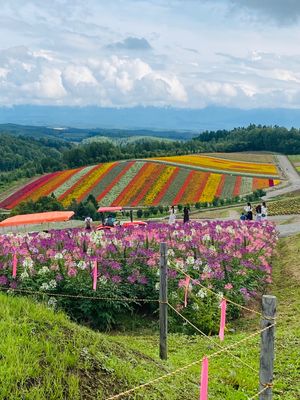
(45, 356)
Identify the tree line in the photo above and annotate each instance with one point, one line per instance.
(25, 157)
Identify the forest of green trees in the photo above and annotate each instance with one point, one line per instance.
(24, 157)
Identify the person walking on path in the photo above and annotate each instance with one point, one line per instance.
(258, 212)
(264, 210)
(186, 214)
(172, 217)
(249, 212)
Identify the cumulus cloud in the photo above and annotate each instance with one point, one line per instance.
(115, 81)
(131, 43)
(150, 52)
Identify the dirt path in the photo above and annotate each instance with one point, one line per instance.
(287, 169)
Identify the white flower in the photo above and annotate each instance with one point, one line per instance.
(195, 307)
(190, 260)
(89, 251)
(157, 286)
(44, 286)
(220, 295)
(81, 265)
(171, 253)
(96, 237)
(230, 230)
(179, 264)
(24, 275)
(103, 280)
(173, 295)
(58, 256)
(43, 271)
(52, 284)
(206, 238)
(206, 268)
(201, 293)
(52, 302)
(219, 228)
(28, 263)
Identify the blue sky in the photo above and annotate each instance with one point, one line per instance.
(183, 53)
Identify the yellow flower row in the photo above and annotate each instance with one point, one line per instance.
(136, 184)
(158, 185)
(86, 184)
(223, 164)
(211, 187)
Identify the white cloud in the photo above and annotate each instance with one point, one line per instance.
(43, 78)
(150, 52)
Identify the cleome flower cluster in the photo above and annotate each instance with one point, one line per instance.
(230, 257)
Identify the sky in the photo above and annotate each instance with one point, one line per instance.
(125, 53)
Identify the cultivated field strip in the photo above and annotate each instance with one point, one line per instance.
(150, 182)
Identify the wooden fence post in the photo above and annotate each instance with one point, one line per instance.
(163, 299)
(267, 347)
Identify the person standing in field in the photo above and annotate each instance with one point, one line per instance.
(88, 223)
(186, 214)
(264, 210)
(249, 212)
(172, 217)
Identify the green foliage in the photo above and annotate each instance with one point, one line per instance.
(252, 138)
(41, 205)
(45, 356)
(139, 213)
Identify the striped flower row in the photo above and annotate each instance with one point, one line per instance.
(137, 183)
(220, 164)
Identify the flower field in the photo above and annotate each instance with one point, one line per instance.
(285, 207)
(221, 164)
(230, 257)
(146, 183)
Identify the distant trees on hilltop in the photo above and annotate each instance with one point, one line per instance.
(25, 157)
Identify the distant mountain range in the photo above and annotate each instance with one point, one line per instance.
(152, 118)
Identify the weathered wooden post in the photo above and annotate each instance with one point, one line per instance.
(163, 299)
(267, 347)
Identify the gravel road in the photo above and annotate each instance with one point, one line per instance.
(292, 175)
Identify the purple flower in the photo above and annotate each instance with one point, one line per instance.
(116, 279)
(3, 280)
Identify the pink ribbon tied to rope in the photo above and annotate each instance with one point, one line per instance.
(204, 380)
(95, 275)
(186, 284)
(14, 265)
(223, 306)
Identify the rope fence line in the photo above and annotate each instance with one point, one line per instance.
(176, 371)
(216, 294)
(212, 340)
(222, 349)
(37, 292)
(267, 386)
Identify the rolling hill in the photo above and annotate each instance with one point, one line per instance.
(165, 180)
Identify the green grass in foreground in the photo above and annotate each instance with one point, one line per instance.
(45, 356)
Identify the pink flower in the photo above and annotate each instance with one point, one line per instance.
(228, 286)
(72, 272)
